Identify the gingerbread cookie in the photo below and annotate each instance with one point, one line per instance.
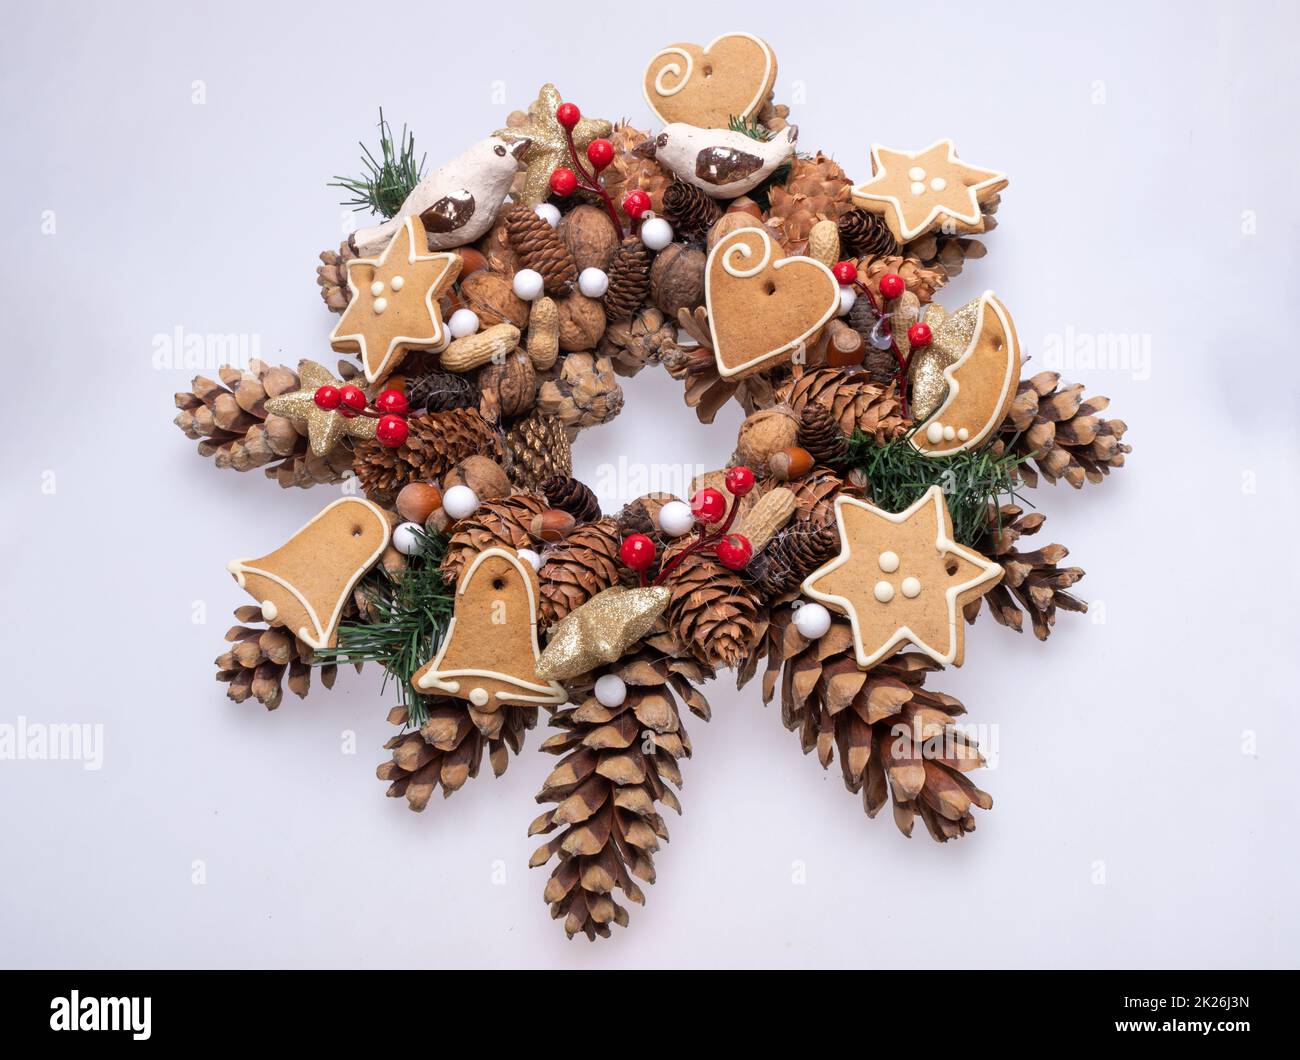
(394, 303)
(304, 583)
(761, 310)
(489, 655)
(720, 162)
(731, 76)
(901, 579)
(980, 354)
(916, 191)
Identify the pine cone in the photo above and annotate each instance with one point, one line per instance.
(858, 405)
(448, 748)
(951, 252)
(579, 567)
(332, 277)
(439, 391)
(572, 496)
(540, 248)
(815, 494)
(231, 425)
(436, 443)
(632, 344)
(629, 280)
(1063, 433)
(793, 554)
(880, 365)
(816, 190)
(689, 210)
(773, 116)
(922, 280)
(865, 235)
(617, 767)
(895, 737)
(714, 612)
(584, 393)
(501, 523)
(262, 660)
(630, 172)
(1031, 580)
(706, 390)
(539, 448)
(820, 434)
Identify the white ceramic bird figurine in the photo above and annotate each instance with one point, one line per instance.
(722, 163)
(458, 203)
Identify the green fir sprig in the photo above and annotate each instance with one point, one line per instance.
(409, 611)
(386, 181)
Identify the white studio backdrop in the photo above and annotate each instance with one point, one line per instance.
(166, 177)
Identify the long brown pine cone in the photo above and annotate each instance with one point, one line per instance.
(689, 210)
(578, 567)
(820, 434)
(1031, 581)
(619, 767)
(865, 235)
(332, 277)
(921, 279)
(448, 748)
(629, 280)
(540, 248)
(793, 554)
(539, 449)
(858, 404)
(436, 443)
(501, 523)
(715, 613)
(1065, 435)
(816, 190)
(261, 661)
(896, 739)
(438, 391)
(572, 496)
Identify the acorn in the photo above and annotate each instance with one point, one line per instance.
(552, 525)
(791, 463)
(418, 500)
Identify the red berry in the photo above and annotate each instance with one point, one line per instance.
(919, 335)
(353, 398)
(845, 272)
(391, 430)
(739, 481)
(637, 551)
(635, 203)
(564, 182)
(393, 401)
(327, 398)
(568, 115)
(892, 286)
(734, 551)
(709, 505)
(600, 153)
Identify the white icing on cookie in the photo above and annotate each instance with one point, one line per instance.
(884, 592)
(889, 562)
(911, 588)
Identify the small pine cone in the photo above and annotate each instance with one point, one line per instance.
(436, 443)
(584, 393)
(439, 391)
(714, 612)
(641, 516)
(632, 344)
(1063, 434)
(792, 555)
(629, 280)
(858, 404)
(447, 748)
(815, 494)
(820, 434)
(881, 366)
(539, 449)
(572, 496)
(579, 567)
(540, 248)
(689, 210)
(332, 277)
(951, 252)
(1031, 580)
(630, 171)
(922, 280)
(502, 523)
(865, 235)
(262, 660)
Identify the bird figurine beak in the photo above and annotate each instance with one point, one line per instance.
(645, 149)
(519, 147)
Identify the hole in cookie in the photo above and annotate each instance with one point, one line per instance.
(708, 71)
(769, 287)
(356, 531)
(950, 565)
(498, 584)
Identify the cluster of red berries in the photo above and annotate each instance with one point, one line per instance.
(390, 408)
(600, 153)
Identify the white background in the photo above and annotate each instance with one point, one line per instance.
(1149, 744)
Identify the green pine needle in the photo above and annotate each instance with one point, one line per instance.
(387, 180)
(410, 610)
(751, 127)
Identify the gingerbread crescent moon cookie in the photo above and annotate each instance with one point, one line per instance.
(489, 655)
(760, 309)
(730, 77)
(981, 379)
(304, 583)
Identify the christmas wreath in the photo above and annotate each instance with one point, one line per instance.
(874, 503)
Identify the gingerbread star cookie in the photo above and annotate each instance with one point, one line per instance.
(916, 191)
(325, 427)
(394, 303)
(901, 579)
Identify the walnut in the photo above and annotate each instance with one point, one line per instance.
(492, 297)
(582, 322)
(677, 278)
(589, 234)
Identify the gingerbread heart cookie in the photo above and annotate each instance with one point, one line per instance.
(762, 308)
(730, 76)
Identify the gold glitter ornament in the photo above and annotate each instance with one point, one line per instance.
(325, 428)
(602, 630)
(548, 147)
(950, 336)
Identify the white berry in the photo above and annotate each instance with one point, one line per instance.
(812, 620)
(593, 282)
(847, 297)
(463, 322)
(528, 284)
(676, 518)
(548, 213)
(610, 690)
(656, 233)
(459, 502)
(530, 557)
(406, 538)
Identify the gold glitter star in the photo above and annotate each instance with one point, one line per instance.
(324, 429)
(901, 578)
(548, 149)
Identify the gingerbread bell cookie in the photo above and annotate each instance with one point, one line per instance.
(490, 653)
(394, 303)
(304, 583)
(730, 77)
(918, 191)
(763, 308)
(901, 579)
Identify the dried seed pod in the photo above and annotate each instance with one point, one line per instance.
(824, 242)
(543, 333)
(770, 513)
(474, 351)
